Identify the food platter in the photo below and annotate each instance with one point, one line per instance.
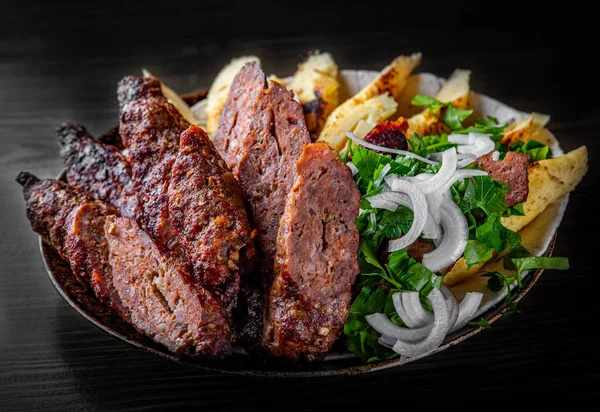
(539, 237)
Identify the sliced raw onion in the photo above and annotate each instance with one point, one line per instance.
(352, 167)
(372, 146)
(383, 325)
(454, 239)
(452, 305)
(477, 144)
(437, 333)
(414, 309)
(496, 156)
(419, 208)
(399, 306)
(387, 341)
(443, 175)
(383, 204)
(467, 309)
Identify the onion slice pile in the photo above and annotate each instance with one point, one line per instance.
(424, 331)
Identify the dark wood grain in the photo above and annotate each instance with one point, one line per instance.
(61, 63)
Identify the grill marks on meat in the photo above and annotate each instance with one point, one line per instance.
(72, 222)
(206, 206)
(158, 290)
(98, 169)
(316, 261)
(150, 129)
(512, 171)
(234, 123)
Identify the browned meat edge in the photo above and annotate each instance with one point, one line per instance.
(512, 171)
(72, 223)
(98, 169)
(150, 129)
(206, 206)
(158, 290)
(316, 262)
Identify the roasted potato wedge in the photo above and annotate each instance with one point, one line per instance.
(456, 91)
(175, 100)
(217, 94)
(390, 82)
(317, 87)
(548, 180)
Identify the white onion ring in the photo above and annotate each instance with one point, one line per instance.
(372, 146)
(352, 167)
(381, 175)
(419, 208)
(399, 306)
(467, 309)
(414, 309)
(454, 239)
(449, 164)
(477, 144)
(383, 325)
(453, 307)
(437, 333)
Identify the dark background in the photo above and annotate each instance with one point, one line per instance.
(61, 63)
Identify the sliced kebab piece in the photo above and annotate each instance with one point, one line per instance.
(206, 206)
(164, 301)
(150, 128)
(316, 262)
(73, 223)
(98, 169)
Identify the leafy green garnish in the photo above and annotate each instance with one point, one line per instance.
(516, 210)
(452, 116)
(533, 148)
(540, 262)
(481, 323)
(477, 252)
(484, 193)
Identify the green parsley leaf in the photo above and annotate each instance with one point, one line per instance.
(533, 148)
(540, 262)
(477, 252)
(485, 193)
(516, 210)
(454, 117)
(423, 100)
(482, 323)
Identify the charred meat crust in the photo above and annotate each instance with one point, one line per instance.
(98, 169)
(88, 254)
(48, 203)
(72, 223)
(113, 138)
(158, 290)
(316, 262)
(390, 134)
(512, 171)
(206, 206)
(150, 129)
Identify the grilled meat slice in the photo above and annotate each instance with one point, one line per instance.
(150, 129)
(234, 123)
(512, 171)
(98, 169)
(206, 206)
(316, 262)
(73, 223)
(158, 290)
(113, 138)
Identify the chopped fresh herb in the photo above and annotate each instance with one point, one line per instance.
(486, 194)
(516, 210)
(533, 148)
(452, 116)
(423, 145)
(477, 252)
(540, 262)
(482, 323)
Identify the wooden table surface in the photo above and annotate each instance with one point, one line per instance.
(62, 63)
